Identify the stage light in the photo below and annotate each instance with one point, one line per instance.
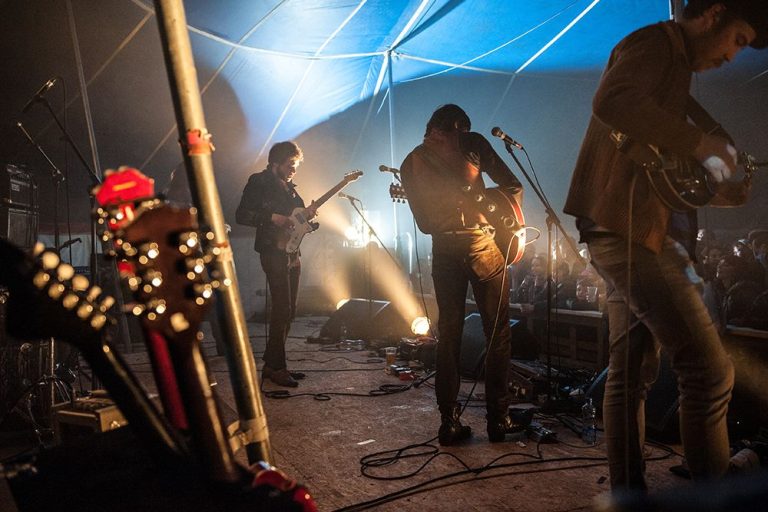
(420, 326)
(352, 234)
(341, 303)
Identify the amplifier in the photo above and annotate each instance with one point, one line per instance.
(19, 226)
(18, 188)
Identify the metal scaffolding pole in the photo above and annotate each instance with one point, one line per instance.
(197, 148)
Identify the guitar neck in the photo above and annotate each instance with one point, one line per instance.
(332, 192)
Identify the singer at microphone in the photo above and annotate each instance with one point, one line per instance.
(39, 94)
(347, 196)
(498, 132)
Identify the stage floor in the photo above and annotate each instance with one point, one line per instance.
(321, 430)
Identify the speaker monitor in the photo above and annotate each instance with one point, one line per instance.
(367, 320)
(661, 419)
(19, 226)
(524, 345)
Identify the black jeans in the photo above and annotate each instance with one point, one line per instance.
(283, 273)
(458, 260)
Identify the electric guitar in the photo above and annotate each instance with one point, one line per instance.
(501, 209)
(160, 257)
(302, 222)
(682, 184)
(47, 298)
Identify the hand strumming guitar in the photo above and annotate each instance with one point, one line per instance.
(717, 156)
(282, 221)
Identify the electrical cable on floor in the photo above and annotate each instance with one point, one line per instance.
(383, 390)
(382, 459)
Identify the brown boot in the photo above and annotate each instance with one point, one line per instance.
(501, 425)
(280, 377)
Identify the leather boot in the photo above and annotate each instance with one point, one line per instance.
(451, 430)
(501, 425)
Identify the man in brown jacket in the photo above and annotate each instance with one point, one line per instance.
(644, 94)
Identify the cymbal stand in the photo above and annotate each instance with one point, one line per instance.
(52, 384)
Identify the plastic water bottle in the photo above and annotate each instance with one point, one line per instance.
(588, 423)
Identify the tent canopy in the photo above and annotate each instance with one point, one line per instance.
(354, 81)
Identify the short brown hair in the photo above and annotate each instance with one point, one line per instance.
(282, 151)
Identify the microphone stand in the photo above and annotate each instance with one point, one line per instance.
(53, 383)
(95, 181)
(56, 177)
(552, 219)
(371, 232)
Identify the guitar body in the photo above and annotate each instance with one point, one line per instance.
(681, 184)
(302, 225)
(503, 211)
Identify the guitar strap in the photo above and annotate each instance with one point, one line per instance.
(703, 120)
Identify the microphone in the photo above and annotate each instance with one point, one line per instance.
(39, 94)
(384, 168)
(347, 196)
(498, 132)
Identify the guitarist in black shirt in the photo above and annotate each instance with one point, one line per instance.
(434, 176)
(267, 202)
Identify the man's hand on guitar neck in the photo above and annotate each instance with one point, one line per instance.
(717, 156)
(311, 210)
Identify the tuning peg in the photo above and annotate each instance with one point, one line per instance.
(133, 283)
(84, 310)
(65, 272)
(106, 303)
(80, 283)
(152, 278)
(41, 279)
(49, 260)
(157, 306)
(202, 292)
(70, 300)
(94, 292)
(179, 322)
(56, 290)
(98, 321)
(188, 241)
(126, 248)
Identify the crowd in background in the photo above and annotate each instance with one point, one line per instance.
(735, 279)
